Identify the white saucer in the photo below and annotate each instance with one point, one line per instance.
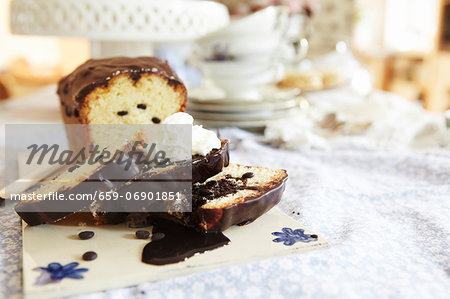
(275, 104)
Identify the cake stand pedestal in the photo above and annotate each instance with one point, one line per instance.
(119, 27)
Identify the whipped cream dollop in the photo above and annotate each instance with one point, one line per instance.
(203, 140)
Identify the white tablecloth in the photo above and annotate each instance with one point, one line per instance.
(385, 213)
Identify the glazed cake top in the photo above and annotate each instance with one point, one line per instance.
(73, 88)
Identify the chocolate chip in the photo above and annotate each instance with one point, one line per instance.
(314, 236)
(142, 234)
(89, 255)
(248, 175)
(157, 236)
(122, 113)
(142, 106)
(87, 234)
(156, 120)
(76, 113)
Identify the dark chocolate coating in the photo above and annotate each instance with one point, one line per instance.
(242, 213)
(73, 88)
(205, 167)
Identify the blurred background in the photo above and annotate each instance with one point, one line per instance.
(403, 44)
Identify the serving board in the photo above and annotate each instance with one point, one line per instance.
(119, 254)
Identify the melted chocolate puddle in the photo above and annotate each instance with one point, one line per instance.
(179, 243)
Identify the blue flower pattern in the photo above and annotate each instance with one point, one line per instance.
(58, 271)
(289, 237)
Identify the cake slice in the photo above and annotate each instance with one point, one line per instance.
(236, 196)
(82, 180)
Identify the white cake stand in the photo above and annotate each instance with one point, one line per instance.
(119, 27)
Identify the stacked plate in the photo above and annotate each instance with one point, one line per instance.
(277, 104)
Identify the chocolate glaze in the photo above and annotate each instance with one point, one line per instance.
(179, 243)
(243, 213)
(204, 167)
(73, 88)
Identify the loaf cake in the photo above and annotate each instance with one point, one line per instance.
(236, 196)
(121, 90)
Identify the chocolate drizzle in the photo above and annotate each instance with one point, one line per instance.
(179, 243)
(94, 73)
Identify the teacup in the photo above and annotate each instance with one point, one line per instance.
(243, 79)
